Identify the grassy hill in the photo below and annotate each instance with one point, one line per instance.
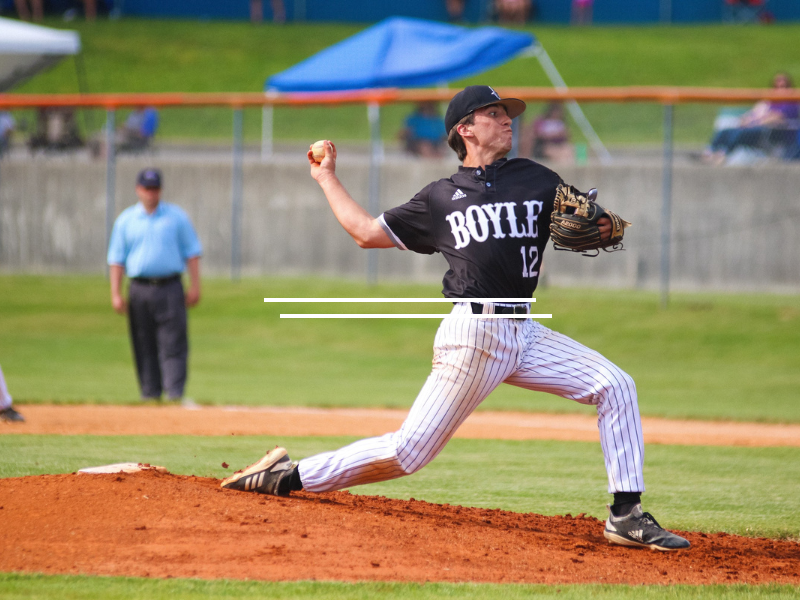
(138, 55)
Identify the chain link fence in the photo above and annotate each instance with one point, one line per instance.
(711, 193)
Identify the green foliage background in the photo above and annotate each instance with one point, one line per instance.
(141, 55)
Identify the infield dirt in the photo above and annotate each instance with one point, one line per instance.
(162, 525)
(294, 421)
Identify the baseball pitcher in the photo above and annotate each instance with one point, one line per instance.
(492, 221)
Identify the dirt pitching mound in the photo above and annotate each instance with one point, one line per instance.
(160, 525)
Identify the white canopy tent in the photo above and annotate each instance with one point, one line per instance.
(27, 49)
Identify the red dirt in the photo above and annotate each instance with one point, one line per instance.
(162, 525)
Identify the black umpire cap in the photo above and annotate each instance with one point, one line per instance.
(474, 97)
(149, 178)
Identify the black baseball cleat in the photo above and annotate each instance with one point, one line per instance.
(265, 476)
(640, 529)
(11, 416)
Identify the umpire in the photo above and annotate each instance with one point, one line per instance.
(152, 243)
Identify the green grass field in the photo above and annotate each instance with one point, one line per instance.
(28, 587)
(137, 55)
(707, 357)
(63, 343)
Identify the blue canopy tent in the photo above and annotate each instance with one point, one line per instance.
(404, 52)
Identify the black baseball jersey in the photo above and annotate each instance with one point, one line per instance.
(491, 224)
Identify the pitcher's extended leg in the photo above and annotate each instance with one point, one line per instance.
(557, 364)
(471, 358)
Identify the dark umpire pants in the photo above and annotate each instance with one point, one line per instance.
(157, 318)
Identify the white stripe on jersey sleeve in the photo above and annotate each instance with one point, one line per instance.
(395, 240)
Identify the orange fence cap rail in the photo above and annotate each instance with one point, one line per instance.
(659, 94)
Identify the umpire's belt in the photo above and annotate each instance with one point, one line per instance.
(157, 281)
(501, 309)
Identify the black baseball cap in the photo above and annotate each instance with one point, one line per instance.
(474, 97)
(149, 178)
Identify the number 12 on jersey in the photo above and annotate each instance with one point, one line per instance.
(530, 258)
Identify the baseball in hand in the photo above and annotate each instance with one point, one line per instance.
(318, 150)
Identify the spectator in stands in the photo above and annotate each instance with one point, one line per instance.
(257, 11)
(139, 129)
(56, 129)
(767, 123)
(423, 133)
(512, 11)
(30, 9)
(89, 11)
(455, 10)
(548, 136)
(7, 125)
(134, 135)
(581, 12)
(747, 11)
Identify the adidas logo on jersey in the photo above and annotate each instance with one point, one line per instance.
(458, 195)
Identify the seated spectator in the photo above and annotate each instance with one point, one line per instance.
(55, 129)
(7, 125)
(512, 11)
(134, 135)
(548, 137)
(767, 123)
(793, 148)
(138, 130)
(423, 131)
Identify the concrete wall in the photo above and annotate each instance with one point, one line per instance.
(733, 228)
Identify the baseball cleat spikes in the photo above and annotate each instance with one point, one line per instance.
(264, 476)
(640, 529)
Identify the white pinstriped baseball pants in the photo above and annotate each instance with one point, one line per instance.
(471, 358)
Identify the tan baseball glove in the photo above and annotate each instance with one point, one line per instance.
(573, 224)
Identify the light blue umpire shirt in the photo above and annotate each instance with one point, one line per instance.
(156, 245)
